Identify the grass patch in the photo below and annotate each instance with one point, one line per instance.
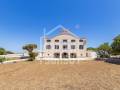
(3, 59)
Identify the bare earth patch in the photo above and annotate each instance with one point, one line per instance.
(85, 75)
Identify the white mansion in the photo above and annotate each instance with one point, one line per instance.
(65, 45)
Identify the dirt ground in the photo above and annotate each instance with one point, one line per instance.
(83, 75)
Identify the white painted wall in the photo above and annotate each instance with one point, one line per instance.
(12, 55)
(93, 54)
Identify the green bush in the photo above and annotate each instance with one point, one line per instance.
(2, 59)
(32, 56)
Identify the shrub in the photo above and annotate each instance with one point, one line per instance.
(32, 56)
(2, 59)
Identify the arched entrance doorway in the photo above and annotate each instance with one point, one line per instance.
(65, 55)
(56, 55)
(73, 55)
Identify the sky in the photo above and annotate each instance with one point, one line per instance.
(22, 21)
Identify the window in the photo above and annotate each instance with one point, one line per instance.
(56, 40)
(81, 47)
(56, 55)
(56, 46)
(72, 46)
(65, 55)
(72, 40)
(48, 40)
(87, 55)
(65, 41)
(81, 40)
(65, 47)
(73, 55)
(48, 47)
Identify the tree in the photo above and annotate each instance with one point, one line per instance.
(104, 50)
(9, 52)
(30, 48)
(116, 46)
(92, 49)
(2, 51)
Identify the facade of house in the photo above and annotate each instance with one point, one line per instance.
(65, 45)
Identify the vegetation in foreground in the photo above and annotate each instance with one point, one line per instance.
(2, 59)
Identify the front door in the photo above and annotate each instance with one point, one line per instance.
(65, 55)
(56, 55)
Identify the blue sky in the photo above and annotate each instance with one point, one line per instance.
(22, 21)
